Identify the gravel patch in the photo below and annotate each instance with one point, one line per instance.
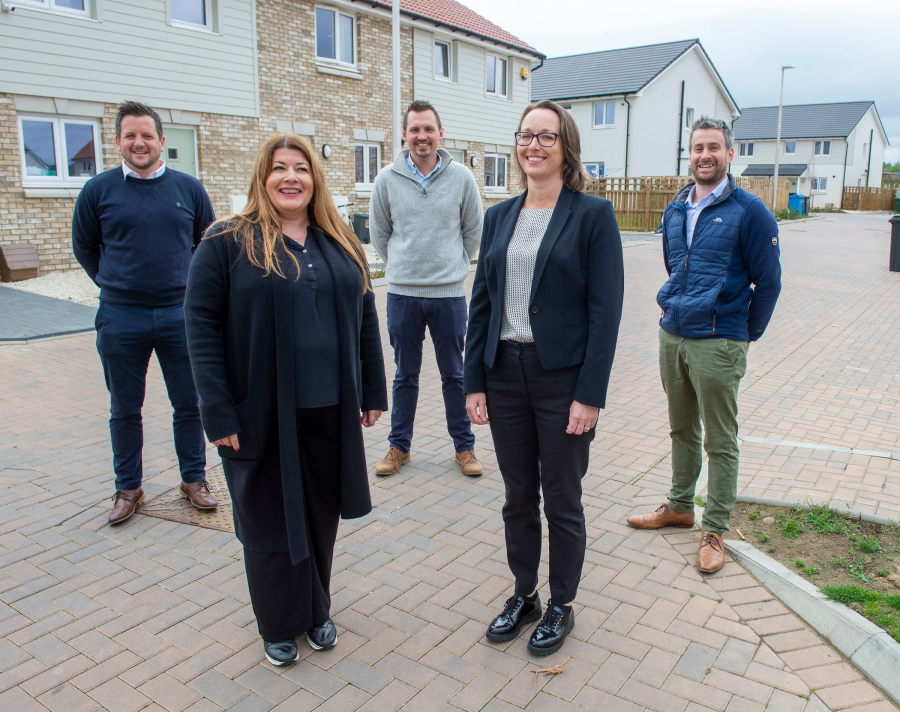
(70, 285)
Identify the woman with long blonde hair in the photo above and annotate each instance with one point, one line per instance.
(286, 351)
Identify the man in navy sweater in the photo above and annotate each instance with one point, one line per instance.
(720, 245)
(134, 231)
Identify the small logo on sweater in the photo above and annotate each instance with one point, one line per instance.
(775, 241)
(177, 205)
(717, 219)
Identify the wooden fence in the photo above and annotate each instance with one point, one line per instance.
(868, 198)
(639, 203)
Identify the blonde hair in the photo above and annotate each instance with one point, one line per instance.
(259, 211)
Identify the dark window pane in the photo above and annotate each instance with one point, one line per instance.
(491, 74)
(501, 76)
(325, 33)
(598, 114)
(441, 60)
(749, 149)
(501, 172)
(40, 151)
(80, 157)
(360, 163)
(489, 171)
(193, 11)
(373, 163)
(346, 45)
(610, 112)
(828, 148)
(70, 4)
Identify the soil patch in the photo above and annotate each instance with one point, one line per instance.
(854, 562)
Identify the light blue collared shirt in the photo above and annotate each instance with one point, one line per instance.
(423, 180)
(694, 209)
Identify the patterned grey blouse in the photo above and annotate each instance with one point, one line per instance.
(520, 260)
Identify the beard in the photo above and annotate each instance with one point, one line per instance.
(715, 179)
(423, 150)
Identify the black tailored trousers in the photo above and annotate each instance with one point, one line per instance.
(288, 600)
(528, 407)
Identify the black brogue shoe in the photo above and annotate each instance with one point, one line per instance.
(551, 632)
(517, 613)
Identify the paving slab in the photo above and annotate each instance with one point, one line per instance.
(25, 316)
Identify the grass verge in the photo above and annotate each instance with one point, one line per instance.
(883, 610)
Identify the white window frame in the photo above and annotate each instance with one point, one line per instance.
(822, 148)
(746, 149)
(601, 167)
(790, 153)
(449, 46)
(605, 105)
(495, 188)
(208, 27)
(51, 6)
(62, 179)
(336, 61)
(369, 180)
(497, 74)
(688, 118)
(458, 155)
(816, 185)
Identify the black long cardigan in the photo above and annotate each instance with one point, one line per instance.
(240, 337)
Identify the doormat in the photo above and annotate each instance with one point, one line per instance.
(173, 507)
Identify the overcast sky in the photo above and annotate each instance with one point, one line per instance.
(842, 51)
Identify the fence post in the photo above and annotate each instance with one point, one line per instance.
(648, 187)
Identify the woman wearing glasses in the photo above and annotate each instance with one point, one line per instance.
(543, 322)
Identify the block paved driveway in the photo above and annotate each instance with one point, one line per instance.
(154, 615)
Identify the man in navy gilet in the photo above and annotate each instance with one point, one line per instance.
(720, 245)
(134, 231)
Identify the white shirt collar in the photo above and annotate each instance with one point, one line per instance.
(155, 174)
(716, 192)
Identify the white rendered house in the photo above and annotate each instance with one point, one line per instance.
(634, 107)
(824, 147)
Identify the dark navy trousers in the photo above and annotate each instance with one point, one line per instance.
(126, 336)
(446, 319)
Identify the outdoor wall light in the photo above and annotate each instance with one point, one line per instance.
(474, 161)
(326, 150)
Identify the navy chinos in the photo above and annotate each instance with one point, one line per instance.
(126, 337)
(446, 319)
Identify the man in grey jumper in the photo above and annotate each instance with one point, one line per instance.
(425, 223)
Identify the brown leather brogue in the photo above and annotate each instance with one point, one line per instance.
(124, 504)
(199, 494)
(711, 555)
(662, 517)
(468, 463)
(390, 465)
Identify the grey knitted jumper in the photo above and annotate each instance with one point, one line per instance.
(521, 256)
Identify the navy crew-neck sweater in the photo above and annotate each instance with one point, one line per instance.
(135, 238)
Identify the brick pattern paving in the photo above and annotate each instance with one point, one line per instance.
(154, 615)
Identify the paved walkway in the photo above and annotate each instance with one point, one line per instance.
(31, 316)
(154, 615)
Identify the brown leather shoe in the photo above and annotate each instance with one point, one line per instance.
(468, 463)
(711, 555)
(199, 494)
(390, 465)
(124, 503)
(662, 517)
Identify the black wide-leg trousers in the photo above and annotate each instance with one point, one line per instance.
(528, 407)
(288, 600)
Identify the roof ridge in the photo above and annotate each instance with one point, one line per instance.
(622, 49)
(818, 103)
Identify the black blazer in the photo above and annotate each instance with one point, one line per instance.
(240, 338)
(576, 294)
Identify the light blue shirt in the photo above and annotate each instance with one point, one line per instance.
(694, 209)
(423, 180)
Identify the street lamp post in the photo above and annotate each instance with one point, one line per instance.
(778, 140)
(395, 93)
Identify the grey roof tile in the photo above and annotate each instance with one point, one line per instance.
(785, 170)
(617, 71)
(801, 120)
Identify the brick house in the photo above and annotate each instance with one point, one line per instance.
(226, 74)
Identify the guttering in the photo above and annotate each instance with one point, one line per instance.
(680, 132)
(455, 28)
(844, 178)
(869, 162)
(627, 133)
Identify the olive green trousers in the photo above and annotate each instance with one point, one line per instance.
(701, 379)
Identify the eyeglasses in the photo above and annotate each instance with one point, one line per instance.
(546, 139)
